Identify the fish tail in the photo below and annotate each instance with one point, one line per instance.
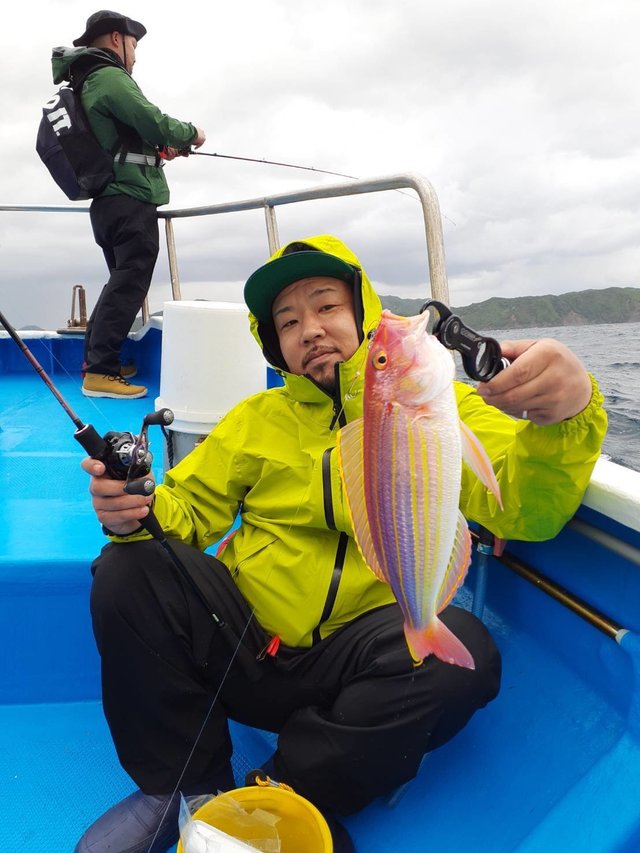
(436, 639)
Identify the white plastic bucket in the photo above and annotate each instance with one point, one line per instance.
(210, 361)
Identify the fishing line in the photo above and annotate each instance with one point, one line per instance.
(80, 427)
(201, 731)
(234, 654)
(4, 322)
(90, 400)
(216, 695)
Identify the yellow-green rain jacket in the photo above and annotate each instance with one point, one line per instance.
(293, 557)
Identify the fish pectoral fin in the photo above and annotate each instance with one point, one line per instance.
(350, 462)
(458, 564)
(436, 639)
(476, 458)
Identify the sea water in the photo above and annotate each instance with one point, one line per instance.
(611, 353)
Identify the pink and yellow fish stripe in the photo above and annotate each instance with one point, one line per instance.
(401, 466)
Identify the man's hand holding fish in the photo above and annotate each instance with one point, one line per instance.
(545, 380)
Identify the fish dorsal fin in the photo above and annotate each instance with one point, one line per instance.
(350, 461)
(476, 458)
(458, 564)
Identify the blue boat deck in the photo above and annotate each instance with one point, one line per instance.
(552, 764)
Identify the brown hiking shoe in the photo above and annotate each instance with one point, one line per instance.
(117, 387)
(127, 371)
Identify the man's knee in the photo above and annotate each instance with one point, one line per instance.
(120, 571)
(484, 684)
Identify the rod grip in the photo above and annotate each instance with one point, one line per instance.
(153, 526)
(92, 441)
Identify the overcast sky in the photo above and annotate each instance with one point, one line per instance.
(523, 116)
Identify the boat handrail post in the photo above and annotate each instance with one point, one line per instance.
(434, 236)
(173, 259)
(272, 228)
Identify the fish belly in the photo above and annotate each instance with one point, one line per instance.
(412, 494)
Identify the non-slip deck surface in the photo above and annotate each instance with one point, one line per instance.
(485, 791)
(543, 742)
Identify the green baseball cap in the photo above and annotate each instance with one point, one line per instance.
(269, 280)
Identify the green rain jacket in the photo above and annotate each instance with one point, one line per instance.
(111, 96)
(293, 557)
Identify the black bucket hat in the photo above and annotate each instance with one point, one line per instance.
(109, 22)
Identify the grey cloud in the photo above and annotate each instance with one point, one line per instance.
(521, 115)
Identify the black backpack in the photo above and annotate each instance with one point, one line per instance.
(79, 165)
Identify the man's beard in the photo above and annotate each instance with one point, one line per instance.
(324, 376)
(328, 384)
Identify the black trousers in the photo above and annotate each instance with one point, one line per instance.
(127, 232)
(354, 716)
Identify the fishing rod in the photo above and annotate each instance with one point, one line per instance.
(186, 152)
(125, 456)
(607, 625)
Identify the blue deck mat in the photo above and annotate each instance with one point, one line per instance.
(493, 789)
(484, 791)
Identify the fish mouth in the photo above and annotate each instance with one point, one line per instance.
(316, 354)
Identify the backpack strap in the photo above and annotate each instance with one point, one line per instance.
(139, 159)
(127, 137)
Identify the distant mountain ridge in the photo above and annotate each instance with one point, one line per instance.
(581, 308)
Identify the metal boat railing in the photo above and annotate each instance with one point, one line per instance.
(439, 290)
(424, 190)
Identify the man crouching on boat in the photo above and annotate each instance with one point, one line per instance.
(300, 637)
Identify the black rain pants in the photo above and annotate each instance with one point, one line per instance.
(127, 232)
(354, 716)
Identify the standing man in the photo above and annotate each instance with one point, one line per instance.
(124, 216)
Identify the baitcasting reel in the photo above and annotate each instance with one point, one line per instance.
(127, 457)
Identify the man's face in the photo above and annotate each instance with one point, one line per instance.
(130, 43)
(316, 328)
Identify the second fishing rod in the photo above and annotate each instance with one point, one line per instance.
(188, 152)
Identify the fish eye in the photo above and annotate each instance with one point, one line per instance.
(380, 360)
